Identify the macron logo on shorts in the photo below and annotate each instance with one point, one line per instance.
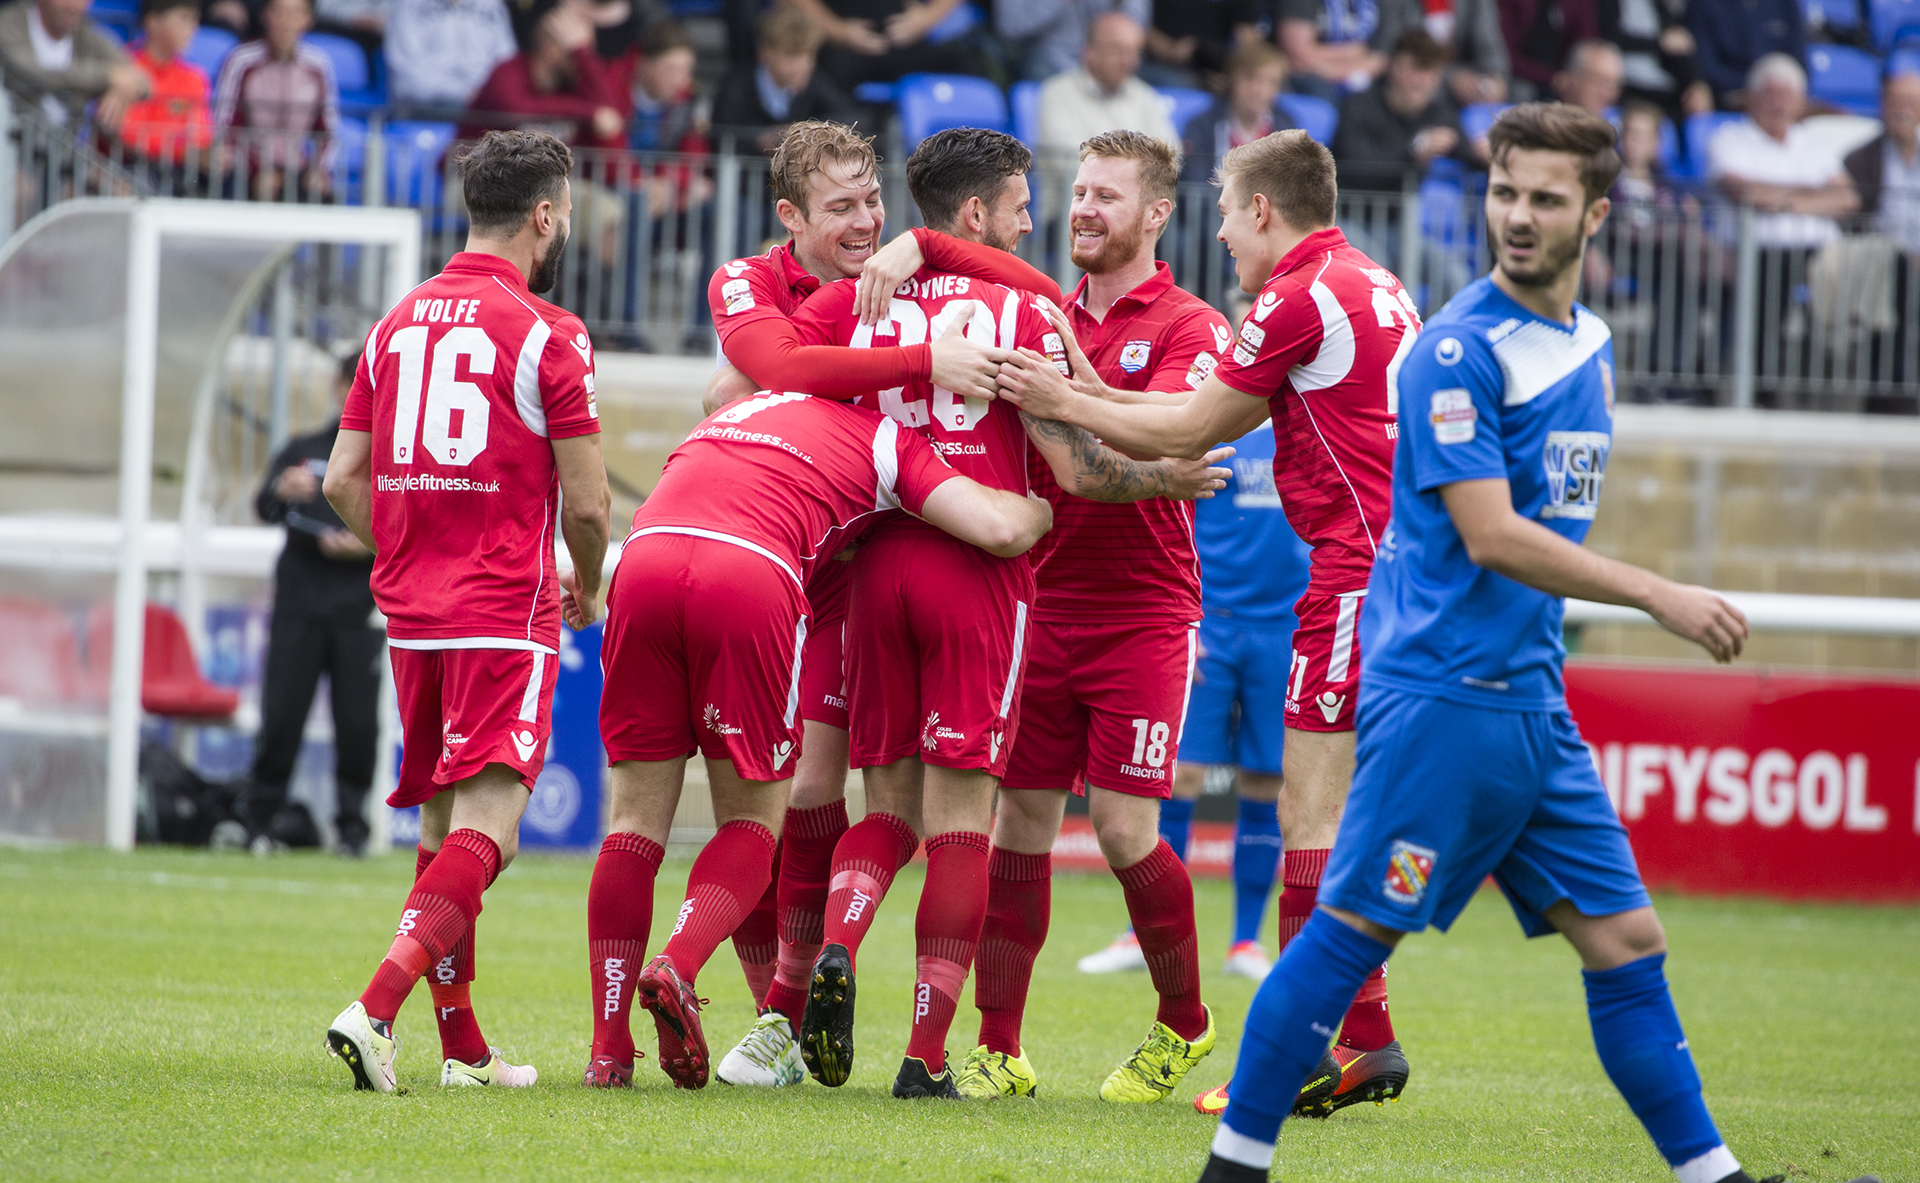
(780, 753)
(1409, 870)
(524, 743)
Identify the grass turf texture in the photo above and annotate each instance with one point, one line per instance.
(163, 1015)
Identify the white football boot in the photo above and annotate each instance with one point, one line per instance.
(1248, 960)
(367, 1049)
(769, 1056)
(1123, 955)
(496, 1072)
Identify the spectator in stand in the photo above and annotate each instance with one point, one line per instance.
(1403, 122)
(1540, 34)
(277, 107)
(1471, 29)
(1886, 169)
(783, 87)
(440, 51)
(1102, 93)
(668, 116)
(54, 56)
(1338, 46)
(1657, 55)
(1188, 44)
(1591, 79)
(173, 125)
(1256, 72)
(1643, 187)
(1771, 161)
(880, 40)
(1049, 37)
(1731, 35)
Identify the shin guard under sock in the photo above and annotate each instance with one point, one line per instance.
(619, 919)
(732, 871)
(1300, 889)
(1256, 859)
(441, 908)
(1159, 897)
(1644, 1051)
(946, 931)
(1019, 906)
(450, 982)
(865, 861)
(757, 941)
(806, 864)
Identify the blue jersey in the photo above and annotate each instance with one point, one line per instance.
(1252, 565)
(1489, 390)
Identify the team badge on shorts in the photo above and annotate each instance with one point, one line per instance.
(1409, 869)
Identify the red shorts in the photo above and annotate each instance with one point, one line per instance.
(463, 709)
(1324, 680)
(823, 664)
(1116, 703)
(702, 650)
(936, 631)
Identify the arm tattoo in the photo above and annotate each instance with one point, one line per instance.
(1100, 473)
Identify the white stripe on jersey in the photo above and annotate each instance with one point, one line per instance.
(886, 465)
(530, 701)
(430, 643)
(1019, 647)
(1334, 361)
(793, 681)
(1193, 655)
(716, 536)
(1538, 355)
(1343, 623)
(526, 378)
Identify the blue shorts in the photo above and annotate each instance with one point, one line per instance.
(1237, 709)
(1445, 794)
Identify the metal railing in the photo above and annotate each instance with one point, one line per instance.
(1707, 308)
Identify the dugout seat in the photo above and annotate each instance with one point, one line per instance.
(171, 684)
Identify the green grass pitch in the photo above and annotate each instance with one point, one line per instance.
(162, 1017)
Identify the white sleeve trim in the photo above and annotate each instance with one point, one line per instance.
(526, 379)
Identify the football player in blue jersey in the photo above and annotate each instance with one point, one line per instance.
(1252, 569)
(1468, 762)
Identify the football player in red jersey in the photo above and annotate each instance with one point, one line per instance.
(706, 622)
(935, 639)
(1319, 354)
(470, 429)
(1112, 649)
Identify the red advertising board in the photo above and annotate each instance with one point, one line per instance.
(1750, 781)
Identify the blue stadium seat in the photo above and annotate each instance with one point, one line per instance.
(1700, 132)
(957, 24)
(414, 152)
(1317, 117)
(1026, 113)
(1182, 104)
(877, 93)
(1894, 21)
(119, 16)
(936, 102)
(1844, 76)
(686, 8)
(1904, 61)
(1839, 16)
(1476, 119)
(209, 49)
(361, 89)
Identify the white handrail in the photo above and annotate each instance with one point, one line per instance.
(1770, 612)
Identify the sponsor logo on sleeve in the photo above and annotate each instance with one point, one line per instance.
(1409, 870)
(1449, 351)
(738, 294)
(1453, 416)
(1133, 356)
(1252, 336)
(1576, 467)
(1201, 367)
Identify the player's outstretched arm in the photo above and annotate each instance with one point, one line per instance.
(1087, 380)
(1086, 468)
(995, 520)
(1501, 540)
(727, 384)
(584, 506)
(349, 483)
(1214, 413)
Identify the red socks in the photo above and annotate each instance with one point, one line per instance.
(440, 910)
(1368, 1026)
(1159, 897)
(865, 861)
(946, 932)
(619, 917)
(806, 864)
(733, 869)
(1019, 905)
(757, 941)
(460, 1036)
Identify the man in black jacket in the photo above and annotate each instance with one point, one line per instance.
(1403, 122)
(783, 86)
(322, 623)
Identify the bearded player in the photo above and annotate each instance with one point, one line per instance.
(470, 429)
(936, 632)
(1318, 354)
(706, 621)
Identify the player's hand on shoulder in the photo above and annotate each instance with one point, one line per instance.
(1030, 381)
(577, 609)
(885, 270)
(964, 367)
(1700, 615)
(1198, 480)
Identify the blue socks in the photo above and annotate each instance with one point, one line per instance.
(1176, 824)
(1645, 1054)
(1256, 857)
(1294, 1016)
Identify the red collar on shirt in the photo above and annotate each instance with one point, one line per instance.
(797, 278)
(1313, 245)
(484, 264)
(1148, 290)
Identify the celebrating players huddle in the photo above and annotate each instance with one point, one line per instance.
(920, 499)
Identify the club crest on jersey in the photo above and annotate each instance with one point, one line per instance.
(1133, 356)
(738, 295)
(1576, 466)
(1221, 335)
(1453, 417)
(1201, 367)
(1252, 336)
(1264, 307)
(1409, 870)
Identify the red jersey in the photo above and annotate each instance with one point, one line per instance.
(786, 475)
(463, 386)
(1105, 562)
(1323, 345)
(983, 438)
